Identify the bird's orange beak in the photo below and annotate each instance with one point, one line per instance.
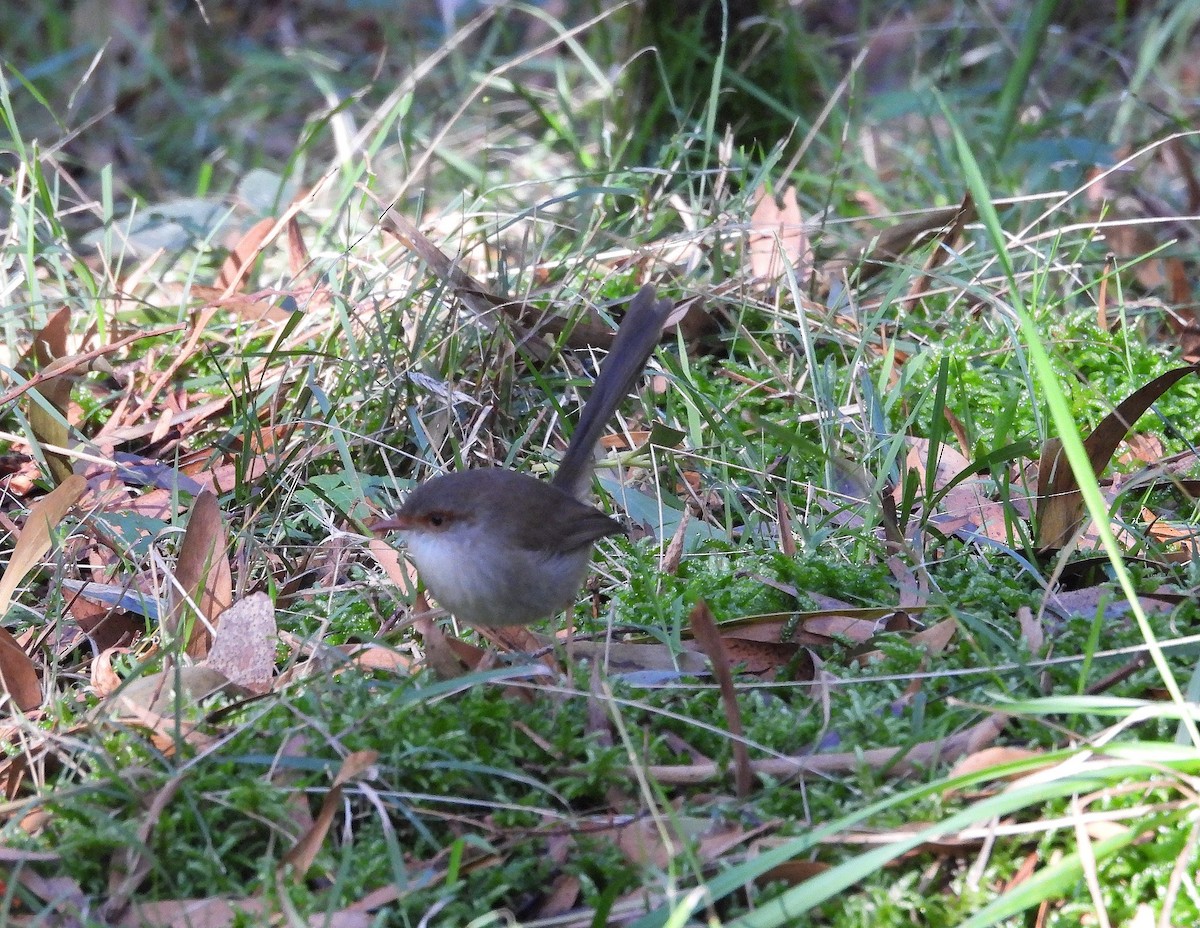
(394, 524)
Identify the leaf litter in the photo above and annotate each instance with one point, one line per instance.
(220, 645)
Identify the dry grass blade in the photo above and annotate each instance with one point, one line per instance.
(478, 298)
(587, 332)
(83, 359)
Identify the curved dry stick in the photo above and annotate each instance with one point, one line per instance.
(901, 761)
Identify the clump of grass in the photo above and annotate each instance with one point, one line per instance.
(786, 412)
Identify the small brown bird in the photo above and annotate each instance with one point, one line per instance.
(500, 548)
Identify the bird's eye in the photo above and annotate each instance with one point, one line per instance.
(436, 519)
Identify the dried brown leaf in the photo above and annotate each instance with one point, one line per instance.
(990, 757)
(51, 340)
(1086, 602)
(18, 675)
(63, 893)
(1032, 632)
(655, 842)
(202, 576)
(893, 242)
(50, 426)
(971, 514)
(913, 589)
(224, 477)
(16, 768)
(937, 637)
(1024, 873)
(934, 639)
(1130, 237)
(397, 570)
(777, 237)
(641, 841)
(441, 655)
(298, 258)
(792, 872)
(947, 240)
(214, 912)
(105, 681)
(1102, 322)
(243, 647)
(162, 693)
(673, 556)
(241, 259)
(783, 518)
(560, 897)
(950, 463)
(516, 638)
(704, 628)
(1145, 449)
(719, 840)
(36, 535)
(764, 657)
(626, 657)
(841, 626)
(304, 852)
(377, 657)
(1060, 503)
